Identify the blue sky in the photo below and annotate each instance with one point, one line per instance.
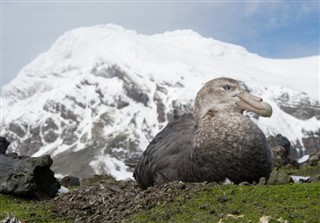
(275, 29)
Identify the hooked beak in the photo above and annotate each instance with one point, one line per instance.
(254, 104)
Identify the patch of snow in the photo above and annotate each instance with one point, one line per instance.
(63, 190)
(299, 179)
(303, 159)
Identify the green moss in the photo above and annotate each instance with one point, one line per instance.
(301, 171)
(27, 210)
(234, 203)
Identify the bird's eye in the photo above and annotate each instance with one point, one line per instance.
(226, 87)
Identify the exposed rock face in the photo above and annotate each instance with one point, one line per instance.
(280, 157)
(279, 140)
(311, 142)
(27, 176)
(3, 145)
(77, 107)
(281, 150)
(70, 181)
(314, 159)
(300, 106)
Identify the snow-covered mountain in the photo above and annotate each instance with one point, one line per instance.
(101, 93)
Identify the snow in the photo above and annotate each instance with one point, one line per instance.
(299, 179)
(180, 61)
(303, 159)
(63, 190)
(107, 164)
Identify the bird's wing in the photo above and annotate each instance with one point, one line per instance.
(160, 161)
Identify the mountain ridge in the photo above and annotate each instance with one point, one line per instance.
(101, 93)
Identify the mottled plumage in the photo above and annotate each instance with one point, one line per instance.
(214, 143)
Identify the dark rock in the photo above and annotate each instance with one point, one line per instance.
(279, 140)
(302, 112)
(280, 156)
(69, 135)
(3, 145)
(49, 130)
(133, 91)
(281, 150)
(121, 140)
(160, 108)
(70, 181)
(161, 89)
(278, 177)
(121, 104)
(301, 107)
(130, 87)
(311, 142)
(108, 71)
(68, 114)
(314, 160)
(262, 181)
(315, 178)
(27, 176)
(18, 128)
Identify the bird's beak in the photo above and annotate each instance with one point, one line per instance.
(254, 104)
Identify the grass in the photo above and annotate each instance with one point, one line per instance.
(234, 203)
(291, 203)
(27, 210)
(302, 171)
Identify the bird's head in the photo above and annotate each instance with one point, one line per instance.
(228, 95)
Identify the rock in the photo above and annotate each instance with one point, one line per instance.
(281, 150)
(3, 145)
(27, 176)
(18, 128)
(133, 91)
(277, 177)
(70, 181)
(314, 159)
(315, 178)
(280, 156)
(10, 219)
(299, 106)
(311, 142)
(279, 140)
(160, 108)
(121, 104)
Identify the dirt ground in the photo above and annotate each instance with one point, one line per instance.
(107, 200)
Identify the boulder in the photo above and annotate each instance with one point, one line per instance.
(3, 145)
(280, 156)
(27, 176)
(278, 177)
(314, 159)
(280, 140)
(281, 150)
(70, 181)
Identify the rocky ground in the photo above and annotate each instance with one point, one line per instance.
(107, 200)
(103, 199)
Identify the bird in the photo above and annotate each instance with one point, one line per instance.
(213, 143)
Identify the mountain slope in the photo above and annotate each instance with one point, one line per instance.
(101, 93)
